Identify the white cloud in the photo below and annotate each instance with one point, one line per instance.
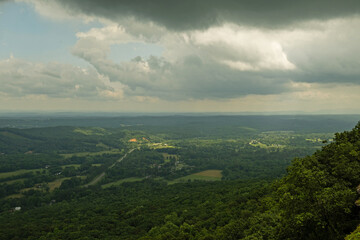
(296, 66)
(325, 51)
(193, 65)
(111, 34)
(242, 48)
(23, 78)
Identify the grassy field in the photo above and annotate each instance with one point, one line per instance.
(56, 183)
(18, 172)
(17, 195)
(159, 145)
(52, 186)
(12, 135)
(262, 145)
(83, 154)
(96, 164)
(103, 146)
(258, 144)
(208, 175)
(71, 165)
(78, 165)
(14, 181)
(91, 131)
(131, 179)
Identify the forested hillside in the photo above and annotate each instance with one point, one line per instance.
(155, 186)
(179, 120)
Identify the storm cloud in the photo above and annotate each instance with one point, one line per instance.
(201, 14)
(301, 51)
(194, 65)
(228, 61)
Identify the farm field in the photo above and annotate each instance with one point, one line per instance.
(91, 131)
(71, 165)
(52, 185)
(189, 176)
(12, 196)
(131, 179)
(15, 181)
(18, 172)
(208, 175)
(84, 154)
(78, 165)
(56, 184)
(96, 164)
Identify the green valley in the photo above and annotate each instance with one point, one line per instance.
(179, 181)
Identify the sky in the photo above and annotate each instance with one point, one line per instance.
(180, 56)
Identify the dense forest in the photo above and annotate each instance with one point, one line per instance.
(143, 183)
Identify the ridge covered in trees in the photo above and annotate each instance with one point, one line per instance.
(315, 199)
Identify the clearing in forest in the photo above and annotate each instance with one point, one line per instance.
(130, 179)
(17, 172)
(210, 173)
(84, 154)
(57, 183)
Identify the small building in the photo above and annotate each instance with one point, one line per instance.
(133, 140)
(17, 208)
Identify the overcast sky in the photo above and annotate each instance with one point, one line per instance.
(180, 56)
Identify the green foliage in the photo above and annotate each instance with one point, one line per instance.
(314, 200)
(57, 139)
(148, 209)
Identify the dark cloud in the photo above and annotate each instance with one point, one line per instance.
(195, 14)
(230, 61)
